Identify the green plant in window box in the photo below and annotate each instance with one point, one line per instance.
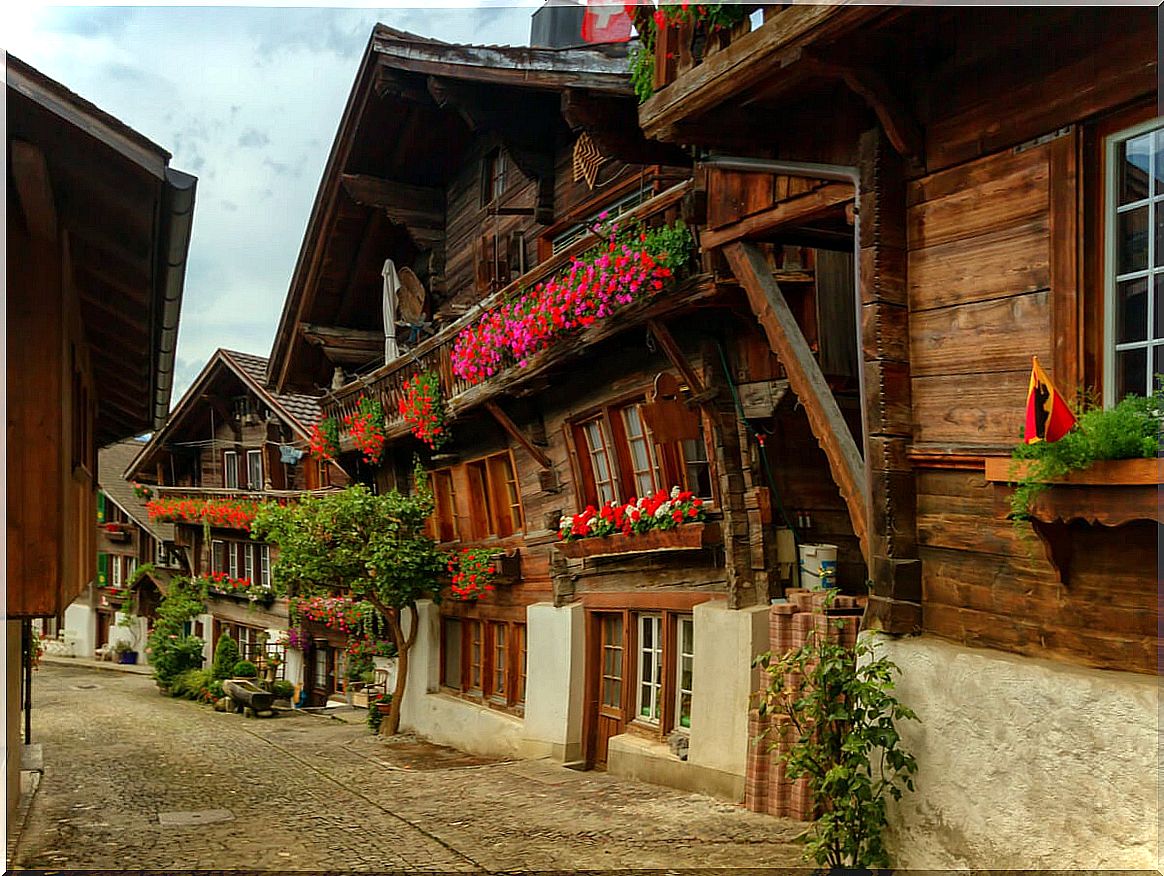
(1130, 430)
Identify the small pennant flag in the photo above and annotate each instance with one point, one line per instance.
(605, 22)
(1048, 416)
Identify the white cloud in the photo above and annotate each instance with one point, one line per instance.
(246, 98)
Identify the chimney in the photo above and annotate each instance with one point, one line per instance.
(557, 25)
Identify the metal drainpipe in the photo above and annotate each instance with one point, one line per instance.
(839, 173)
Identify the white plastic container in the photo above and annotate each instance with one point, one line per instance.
(818, 566)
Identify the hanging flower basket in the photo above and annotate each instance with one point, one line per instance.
(366, 428)
(423, 408)
(477, 572)
(324, 441)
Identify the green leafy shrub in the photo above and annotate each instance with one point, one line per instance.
(215, 688)
(245, 669)
(841, 710)
(225, 657)
(642, 70)
(193, 684)
(283, 689)
(169, 649)
(1130, 430)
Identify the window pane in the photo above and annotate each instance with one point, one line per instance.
(1158, 305)
(1131, 372)
(1157, 365)
(1133, 169)
(1132, 311)
(1132, 240)
(1158, 209)
(1159, 150)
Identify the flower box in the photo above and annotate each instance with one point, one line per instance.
(507, 568)
(685, 537)
(1107, 493)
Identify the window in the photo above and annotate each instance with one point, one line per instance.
(485, 659)
(520, 651)
(491, 504)
(232, 564)
(265, 565)
(255, 469)
(574, 232)
(493, 176)
(619, 458)
(650, 667)
(612, 661)
(323, 472)
(116, 576)
(476, 655)
(1135, 260)
(249, 561)
(500, 667)
(161, 555)
(218, 556)
(451, 652)
(230, 470)
(648, 476)
(684, 672)
(598, 456)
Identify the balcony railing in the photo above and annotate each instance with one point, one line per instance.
(435, 354)
(680, 48)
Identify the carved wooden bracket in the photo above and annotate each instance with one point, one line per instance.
(517, 435)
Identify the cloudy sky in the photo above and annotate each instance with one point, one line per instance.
(247, 99)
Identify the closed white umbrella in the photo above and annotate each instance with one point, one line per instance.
(391, 289)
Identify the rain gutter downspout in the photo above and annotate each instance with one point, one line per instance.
(178, 210)
(837, 173)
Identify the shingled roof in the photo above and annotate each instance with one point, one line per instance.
(304, 409)
(112, 461)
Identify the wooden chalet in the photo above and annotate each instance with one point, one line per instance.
(537, 144)
(995, 174)
(97, 231)
(230, 441)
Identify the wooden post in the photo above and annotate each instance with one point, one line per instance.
(806, 379)
(517, 435)
(895, 602)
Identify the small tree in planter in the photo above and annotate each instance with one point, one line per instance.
(842, 712)
(374, 546)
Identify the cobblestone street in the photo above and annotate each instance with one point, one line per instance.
(125, 768)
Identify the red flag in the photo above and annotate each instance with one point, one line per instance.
(1048, 416)
(605, 22)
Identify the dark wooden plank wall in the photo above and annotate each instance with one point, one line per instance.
(979, 284)
(993, 277)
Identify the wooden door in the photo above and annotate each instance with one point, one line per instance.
(104, 622)
(608, 716)
(321, 674)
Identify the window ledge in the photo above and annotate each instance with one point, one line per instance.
(685, 537)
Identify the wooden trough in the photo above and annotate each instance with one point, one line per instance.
(246, 694)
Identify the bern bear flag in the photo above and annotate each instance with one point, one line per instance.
(1048, 416)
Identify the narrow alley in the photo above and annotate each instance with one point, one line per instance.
(134, 780)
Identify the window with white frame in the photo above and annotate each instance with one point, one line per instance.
(161, 556)
(255, 469)
(1135, 260)
(230, 470)
(232, 561)
(249, 561)
(650, 667)
(265, 565)
(115, 571)
(684, 672)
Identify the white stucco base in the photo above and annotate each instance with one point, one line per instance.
(81, 626)
(551, 726)
(726, 640)
(12, 716)
(1024, 763)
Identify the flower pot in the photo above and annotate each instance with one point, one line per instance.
(383, 708)
(127, 657)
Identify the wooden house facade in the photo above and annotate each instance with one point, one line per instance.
(629, 653)
(231, 442)
(999, 170)
(97, 232)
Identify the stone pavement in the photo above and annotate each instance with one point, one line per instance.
(135, 780)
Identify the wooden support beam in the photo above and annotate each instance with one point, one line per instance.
(345, 346)
(824, 415)
(517, 435)
(34, 187)
(798, 210)
(406, 204)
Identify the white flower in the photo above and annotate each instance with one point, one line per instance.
(674, 492)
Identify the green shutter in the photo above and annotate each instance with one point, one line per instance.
(100, 507)
(102, 568)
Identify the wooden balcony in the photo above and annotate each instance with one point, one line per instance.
(697, 72)
(435, 354)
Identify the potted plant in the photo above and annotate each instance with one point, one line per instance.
(125, 653)
(244, 670)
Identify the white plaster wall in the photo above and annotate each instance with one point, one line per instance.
(134, 636)
(1024, 763)
(293, 669)
(726, 640)
(449, 720)
(555, 649)
(81, 621)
